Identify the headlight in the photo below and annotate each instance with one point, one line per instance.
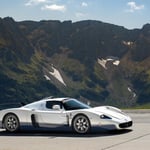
(105, 117)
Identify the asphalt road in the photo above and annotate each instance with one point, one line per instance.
(135, 138)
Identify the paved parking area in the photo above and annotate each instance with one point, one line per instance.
(135, 138)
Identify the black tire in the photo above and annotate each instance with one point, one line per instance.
(81, 124)
(11, 123)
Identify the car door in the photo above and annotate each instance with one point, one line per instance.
(51, 117)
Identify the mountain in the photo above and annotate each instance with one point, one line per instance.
(96, 62)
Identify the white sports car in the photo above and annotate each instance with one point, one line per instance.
(55, 112)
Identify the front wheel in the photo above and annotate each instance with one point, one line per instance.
(81, 124)
(11, 123)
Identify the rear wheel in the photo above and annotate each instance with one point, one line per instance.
(11, 123)
(81, 124)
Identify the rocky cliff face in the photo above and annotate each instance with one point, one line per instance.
(94, 61)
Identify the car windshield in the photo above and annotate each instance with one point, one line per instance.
(73, 104)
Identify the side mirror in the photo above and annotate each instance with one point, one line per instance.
(56, 107)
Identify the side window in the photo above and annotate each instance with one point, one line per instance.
(50, 104)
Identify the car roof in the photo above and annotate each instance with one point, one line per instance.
(44, 100)
(49, 99)
(53, 99)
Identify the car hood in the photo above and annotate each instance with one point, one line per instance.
(111, 112)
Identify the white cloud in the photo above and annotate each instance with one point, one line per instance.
(54, 7)
(133, 6)
(84, 4)
(80, 15)
(35, 2)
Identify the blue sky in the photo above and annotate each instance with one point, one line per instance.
(128, 13)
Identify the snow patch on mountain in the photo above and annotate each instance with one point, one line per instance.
(46, 77)
(102, 62)
(130, 90)
(116, 62)
(56, 74)
(127, 43)
(112, 59)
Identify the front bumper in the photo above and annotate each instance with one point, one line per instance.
(126, 124)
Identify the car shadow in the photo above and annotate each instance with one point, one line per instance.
(67, 133)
